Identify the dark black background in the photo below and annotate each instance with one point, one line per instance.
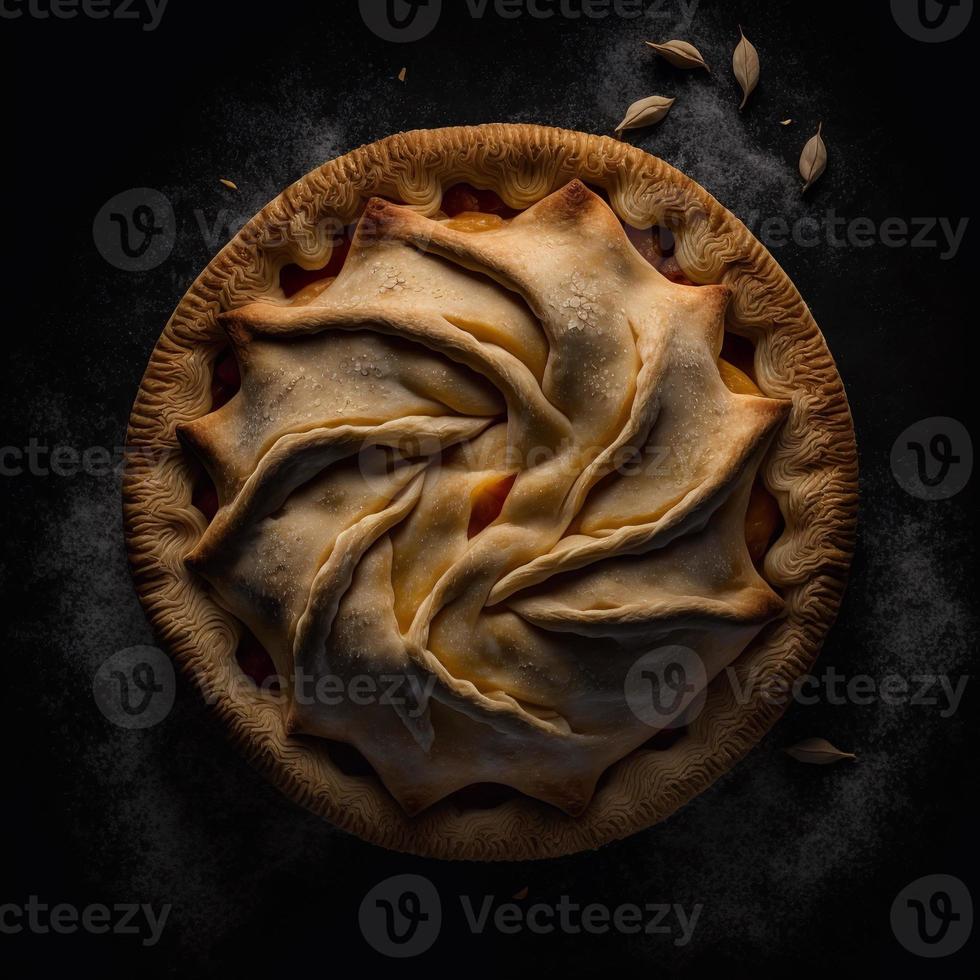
(796, 866)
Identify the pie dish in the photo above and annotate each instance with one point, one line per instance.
(450, 461)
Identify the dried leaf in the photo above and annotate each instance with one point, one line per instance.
(402, 74)
(813, 159)
(230, 184)
(818, 752)
(521, 894)
(785, 122)
(745, 64)
(680, 54)
(645, 112)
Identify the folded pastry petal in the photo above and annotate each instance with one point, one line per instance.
(488, 471)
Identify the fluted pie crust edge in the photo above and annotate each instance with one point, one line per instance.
(811, 469)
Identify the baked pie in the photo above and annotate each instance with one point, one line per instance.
(466, 476)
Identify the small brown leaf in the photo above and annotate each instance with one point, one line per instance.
(785, 122)
(645, 112)
(818, 752)
(679, 53)
(745, 64)
(402, 74)
(521, 894)
(813, 159)
(230, 184)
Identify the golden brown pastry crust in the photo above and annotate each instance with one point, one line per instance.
(811, 468)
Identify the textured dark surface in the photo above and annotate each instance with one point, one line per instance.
(796, 867)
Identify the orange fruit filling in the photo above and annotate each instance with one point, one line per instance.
(475, 221)
(762, 516)
(487, 503)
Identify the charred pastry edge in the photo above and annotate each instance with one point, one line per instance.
(809, 561)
